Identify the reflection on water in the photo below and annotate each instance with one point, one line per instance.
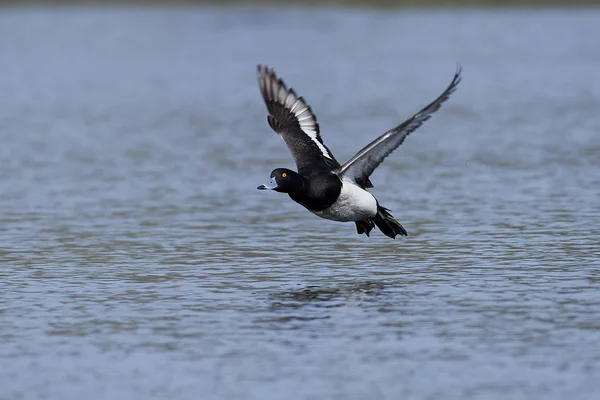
(139, 260)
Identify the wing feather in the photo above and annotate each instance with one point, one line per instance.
(292, 118)
(362, 165)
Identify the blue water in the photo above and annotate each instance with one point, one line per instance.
(138, 260)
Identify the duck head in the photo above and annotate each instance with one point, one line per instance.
(283, 180)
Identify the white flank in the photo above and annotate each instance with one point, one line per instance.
(353, 204)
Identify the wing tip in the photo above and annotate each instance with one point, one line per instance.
(458, 69)
(271, 86)
(457, 77)
(263, 69)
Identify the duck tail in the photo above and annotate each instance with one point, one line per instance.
(387, 224)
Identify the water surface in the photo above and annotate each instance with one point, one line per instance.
(138, 260)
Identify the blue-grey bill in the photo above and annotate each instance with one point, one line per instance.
(269, 186)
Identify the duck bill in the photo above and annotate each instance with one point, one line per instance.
(269, 186)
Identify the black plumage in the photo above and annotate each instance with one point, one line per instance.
(322, 185)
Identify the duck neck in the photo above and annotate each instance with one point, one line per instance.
(298, 191)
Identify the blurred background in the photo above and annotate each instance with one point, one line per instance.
(138, 260)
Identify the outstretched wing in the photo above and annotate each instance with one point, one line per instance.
(362, 165)
(293, 120)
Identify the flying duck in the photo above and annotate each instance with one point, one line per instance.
(323, 186)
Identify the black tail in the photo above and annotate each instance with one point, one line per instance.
(384, 221)
(387, 224)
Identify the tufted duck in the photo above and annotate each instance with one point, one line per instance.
(326, 188)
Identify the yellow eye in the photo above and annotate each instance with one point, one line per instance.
(283, 175)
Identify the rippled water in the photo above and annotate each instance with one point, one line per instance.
(138, 260)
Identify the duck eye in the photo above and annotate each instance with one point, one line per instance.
(283, 175)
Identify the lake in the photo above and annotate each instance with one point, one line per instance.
(138, 260)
